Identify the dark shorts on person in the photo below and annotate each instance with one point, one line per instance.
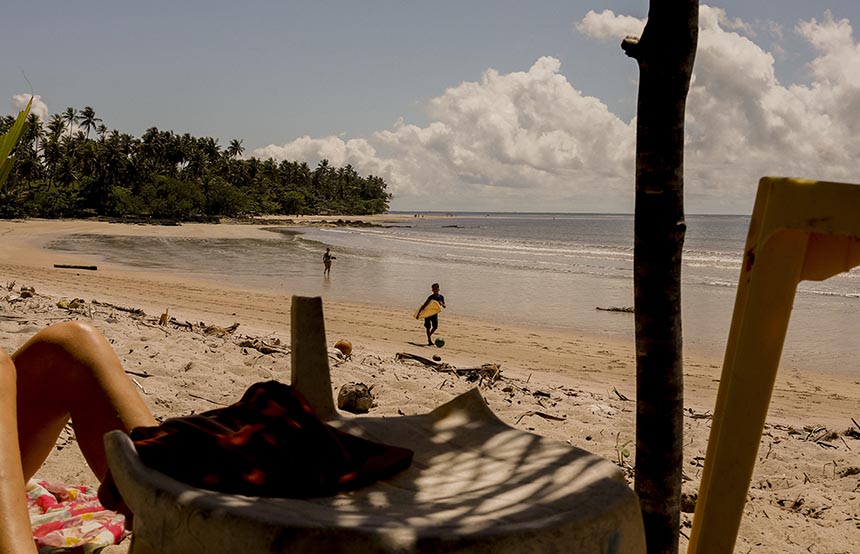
(432, 321)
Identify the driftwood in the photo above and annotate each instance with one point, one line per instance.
(487, 372)
(624, 309)
(619, 395)
(263, 347)
(134, 311)
(71, 266)
(435, 365)
(539, 414)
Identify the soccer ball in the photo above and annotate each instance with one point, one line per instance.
(440, 342)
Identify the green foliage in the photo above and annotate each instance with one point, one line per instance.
(622, 450)
(58, 172)
(8, 141)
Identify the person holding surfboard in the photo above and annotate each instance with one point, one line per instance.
(327, 258)
(429, 310)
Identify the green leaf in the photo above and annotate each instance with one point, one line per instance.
(9, 140)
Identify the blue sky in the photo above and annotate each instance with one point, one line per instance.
(402, 89)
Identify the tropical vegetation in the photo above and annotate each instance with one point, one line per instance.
(73, 166)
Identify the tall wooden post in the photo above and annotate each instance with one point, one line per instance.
(665, 53)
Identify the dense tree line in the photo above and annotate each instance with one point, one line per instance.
(73, 166)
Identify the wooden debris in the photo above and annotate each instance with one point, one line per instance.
(214, 330)
(623, 309)
(619, 395)
(133, 311)
(540, 414)
(165, 318)
(407, 356)
(263, 347)
(72, 266)
(141, 374)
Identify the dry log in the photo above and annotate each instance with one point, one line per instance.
(71, 266)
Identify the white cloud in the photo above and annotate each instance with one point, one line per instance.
(530, 140)
(607, 25)
(39, 107)
(743, 123)
(522, 139)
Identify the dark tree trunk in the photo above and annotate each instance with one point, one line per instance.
(665, 54)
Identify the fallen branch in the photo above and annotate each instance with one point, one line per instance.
(619, 395)
(540, 414)
(135, 311)
(623, 309)
(439, 366)
(142, 374)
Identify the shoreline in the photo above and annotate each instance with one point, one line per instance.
(600, 361)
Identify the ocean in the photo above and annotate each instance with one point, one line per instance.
(546, 270)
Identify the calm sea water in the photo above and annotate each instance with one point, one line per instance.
(537, 269)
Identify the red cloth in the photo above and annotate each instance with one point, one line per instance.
(270, 443)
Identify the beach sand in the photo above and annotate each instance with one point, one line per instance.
(805, 493)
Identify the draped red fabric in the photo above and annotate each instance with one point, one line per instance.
(270, 443)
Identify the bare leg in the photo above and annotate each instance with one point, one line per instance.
(70, 370)
(65, 371)
(15, 533)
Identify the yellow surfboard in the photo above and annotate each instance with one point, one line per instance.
(432, 308)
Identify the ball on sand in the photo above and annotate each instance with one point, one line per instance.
(344, 346)
(440, 342)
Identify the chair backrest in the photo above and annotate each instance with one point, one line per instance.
(799, 230)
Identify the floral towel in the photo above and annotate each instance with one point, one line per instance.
(69, 518)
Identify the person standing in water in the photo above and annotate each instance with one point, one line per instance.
(327, 258)
(431, 324)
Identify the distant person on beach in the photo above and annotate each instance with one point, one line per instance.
(431, 324)
(327, 258)
(66, 371)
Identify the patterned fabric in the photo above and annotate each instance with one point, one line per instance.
(70, 519)
(270, 443)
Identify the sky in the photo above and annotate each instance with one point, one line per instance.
(500, 105)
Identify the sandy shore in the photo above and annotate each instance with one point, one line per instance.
(804, 497)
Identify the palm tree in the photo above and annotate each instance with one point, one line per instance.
(88, 119)
(56, 126)
(70, 116)
(235, 149)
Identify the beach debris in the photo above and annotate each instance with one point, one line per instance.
(71, 266)
(622, 309)
(619, 395)
(133, 311)
(544, 415)
(344, 346)
(356, 398)
(688, 501)
(263, 347)
(437, 358)
(216, 331)
(407, 356)
(165, 318)
(72, 305)
(26, 292)
(622, 450)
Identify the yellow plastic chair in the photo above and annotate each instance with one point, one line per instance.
(800, 230)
